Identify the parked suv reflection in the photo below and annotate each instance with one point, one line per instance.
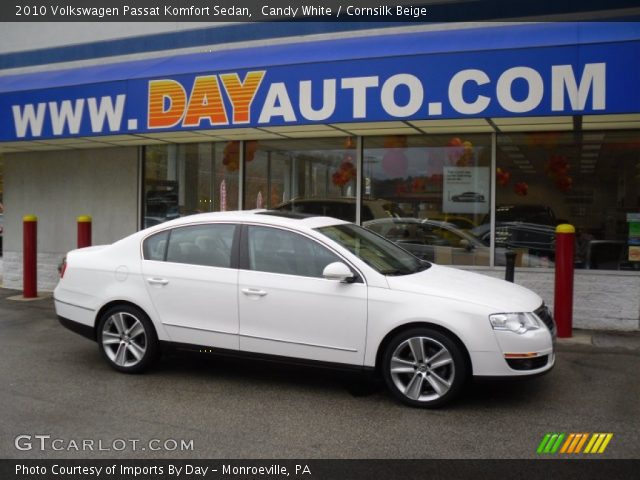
(526, 226)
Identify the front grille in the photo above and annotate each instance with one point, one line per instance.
(544, 314)
(528, 363)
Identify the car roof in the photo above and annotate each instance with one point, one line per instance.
(266, 217)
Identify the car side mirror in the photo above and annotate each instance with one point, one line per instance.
(338, 271)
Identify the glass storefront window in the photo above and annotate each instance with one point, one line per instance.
(589, 179)
(177, 181)
(183, 179)
(315, 176)
(426, 192)
(226, 176)
(430, 194)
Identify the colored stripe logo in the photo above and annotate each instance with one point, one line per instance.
(574, 443)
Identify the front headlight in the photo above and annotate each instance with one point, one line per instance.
(515, 322)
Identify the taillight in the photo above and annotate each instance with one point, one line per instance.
(62, 267)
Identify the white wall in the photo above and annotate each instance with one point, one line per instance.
(57, 187)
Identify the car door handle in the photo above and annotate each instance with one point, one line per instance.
(157, 281)
(253, 291)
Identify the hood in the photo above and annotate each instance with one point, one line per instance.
(464, 286)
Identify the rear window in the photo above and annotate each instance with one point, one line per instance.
(207, 245)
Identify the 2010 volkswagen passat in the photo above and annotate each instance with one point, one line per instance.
(311, 289)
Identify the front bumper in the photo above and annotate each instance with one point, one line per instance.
(519, 355)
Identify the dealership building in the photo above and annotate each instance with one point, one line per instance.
(457, 141)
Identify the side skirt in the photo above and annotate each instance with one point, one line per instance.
(223, 352)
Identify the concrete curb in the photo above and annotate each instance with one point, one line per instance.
(602, 339)
(20, 298)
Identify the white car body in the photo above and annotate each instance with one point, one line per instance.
(316, 319)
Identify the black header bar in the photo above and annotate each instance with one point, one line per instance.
(312, 10)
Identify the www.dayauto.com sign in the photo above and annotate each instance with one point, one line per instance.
(544, 81)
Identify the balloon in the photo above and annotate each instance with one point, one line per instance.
(455, 150)
(250, 148)
(502, 176)
(557, 166)
(564, 184)
(345, 173)
(521, 189)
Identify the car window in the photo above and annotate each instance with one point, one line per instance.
(379, 253)
(155, 246)
(279, 251)
(207, 245)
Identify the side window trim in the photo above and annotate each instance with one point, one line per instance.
(243, 258)
(166, 245)
(236, 246)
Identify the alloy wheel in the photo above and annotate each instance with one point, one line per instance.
(124, 339)
(422, 369)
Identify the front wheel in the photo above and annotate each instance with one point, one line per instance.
(424, 368)
(127, 339)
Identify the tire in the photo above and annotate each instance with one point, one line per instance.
(127, 339)
(424, 368)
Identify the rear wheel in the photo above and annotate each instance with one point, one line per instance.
(424, 368)
(127, 339)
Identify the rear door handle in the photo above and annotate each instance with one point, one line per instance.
(253, 291)
(157, 281)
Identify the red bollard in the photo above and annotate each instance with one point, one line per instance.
(84, 231)
(563, 301)
(29, 256)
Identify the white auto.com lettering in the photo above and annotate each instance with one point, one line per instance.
(278, 103)
(563, 80)
(470, 92)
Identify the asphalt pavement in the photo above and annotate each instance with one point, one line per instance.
(56, 386)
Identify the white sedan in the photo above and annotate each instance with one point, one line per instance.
(314, 289)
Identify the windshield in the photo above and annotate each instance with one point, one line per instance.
(377, 252)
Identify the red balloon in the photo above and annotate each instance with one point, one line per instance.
(521, 188)
(502, 177)
(564, 184)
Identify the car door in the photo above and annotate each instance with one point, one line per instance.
(191, 276)
(287, 308)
